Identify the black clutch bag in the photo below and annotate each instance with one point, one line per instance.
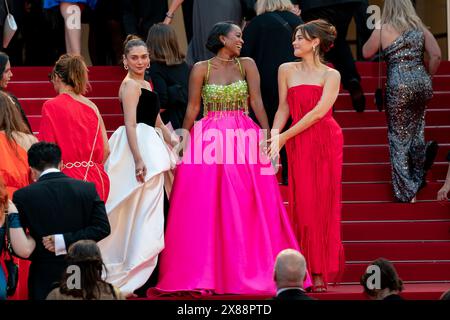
(379, 97)
(11, 267)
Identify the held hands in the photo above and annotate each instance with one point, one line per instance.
(49, 243)
(140, 171)
(275, 144)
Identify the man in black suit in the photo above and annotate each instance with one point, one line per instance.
(58, 211)
(289, 275)
(339, 13)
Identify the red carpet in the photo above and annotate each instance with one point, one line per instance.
(416, 237)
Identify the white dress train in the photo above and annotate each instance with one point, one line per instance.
(135, 210)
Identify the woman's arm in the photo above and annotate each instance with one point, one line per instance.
(253, 80)
(433, 50)
(22, 244)
(329, 96)
(106, 150)
(168, 138)
(282, 115)
(196, 79)
(372, 46)
(131, 92)
(173, 7)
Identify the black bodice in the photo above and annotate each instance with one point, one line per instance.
(148, 107)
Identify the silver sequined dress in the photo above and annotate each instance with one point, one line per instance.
(408, 89)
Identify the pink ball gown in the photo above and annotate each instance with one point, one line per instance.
(227, 220)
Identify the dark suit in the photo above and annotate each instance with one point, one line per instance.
(293, 294)
(339, 13)
(57, 204)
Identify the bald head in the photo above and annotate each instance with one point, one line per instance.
(290, 269)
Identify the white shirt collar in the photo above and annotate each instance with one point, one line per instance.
(280, 291)
(51, 170)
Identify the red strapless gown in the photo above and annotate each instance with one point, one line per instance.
(315, 175)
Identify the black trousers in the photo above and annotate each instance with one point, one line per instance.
(340, 15)
(140, 15)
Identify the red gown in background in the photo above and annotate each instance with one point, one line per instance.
(315, 175)
(15, 173)
(73, 126)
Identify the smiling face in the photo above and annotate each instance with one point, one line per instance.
(137, 60)
(233, 41)
(303, 46)
(6, 77)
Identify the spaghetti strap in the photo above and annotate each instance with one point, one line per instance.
(208, 72)
(240, 67)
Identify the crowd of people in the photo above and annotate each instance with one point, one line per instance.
(230, 127)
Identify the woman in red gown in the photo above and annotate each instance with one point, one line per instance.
(15, 140)
(74, 123)
(314, 142)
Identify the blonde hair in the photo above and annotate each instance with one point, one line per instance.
(263, 6)
(401, 15)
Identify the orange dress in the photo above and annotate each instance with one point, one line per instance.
(15, 172)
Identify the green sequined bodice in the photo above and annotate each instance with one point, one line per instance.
(231, 97)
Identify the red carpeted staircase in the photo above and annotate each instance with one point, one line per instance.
(416, 237)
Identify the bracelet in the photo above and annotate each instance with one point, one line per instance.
(14, 220)
(170, 16)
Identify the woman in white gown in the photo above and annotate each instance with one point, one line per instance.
(136, 201)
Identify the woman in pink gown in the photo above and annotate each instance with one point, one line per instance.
(227, 221)
(314, 142)
(74, 123)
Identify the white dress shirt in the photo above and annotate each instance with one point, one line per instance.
(60, 245)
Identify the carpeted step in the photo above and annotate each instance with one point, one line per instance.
(431, 210)
(366, 68)
(111, 105)
(382, 172)
(367, 136)
(380, 153)
(440, 100)
(397, 251)
(375, 192)
(41, 73)
(45, 89)
(413, 271)
(351, 119)
(370, 83)
(396, 230)
(112, 122)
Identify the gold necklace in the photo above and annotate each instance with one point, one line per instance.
(225, 60)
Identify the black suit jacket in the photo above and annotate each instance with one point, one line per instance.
(270, 30)
(293, 294)
(57, 204)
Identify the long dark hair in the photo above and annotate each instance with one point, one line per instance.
(86, 255)
(389, 277)
(10, 118)
(163, 45)
(4, 58)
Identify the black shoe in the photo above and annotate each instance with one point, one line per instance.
(357, 95)
(431, 152)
